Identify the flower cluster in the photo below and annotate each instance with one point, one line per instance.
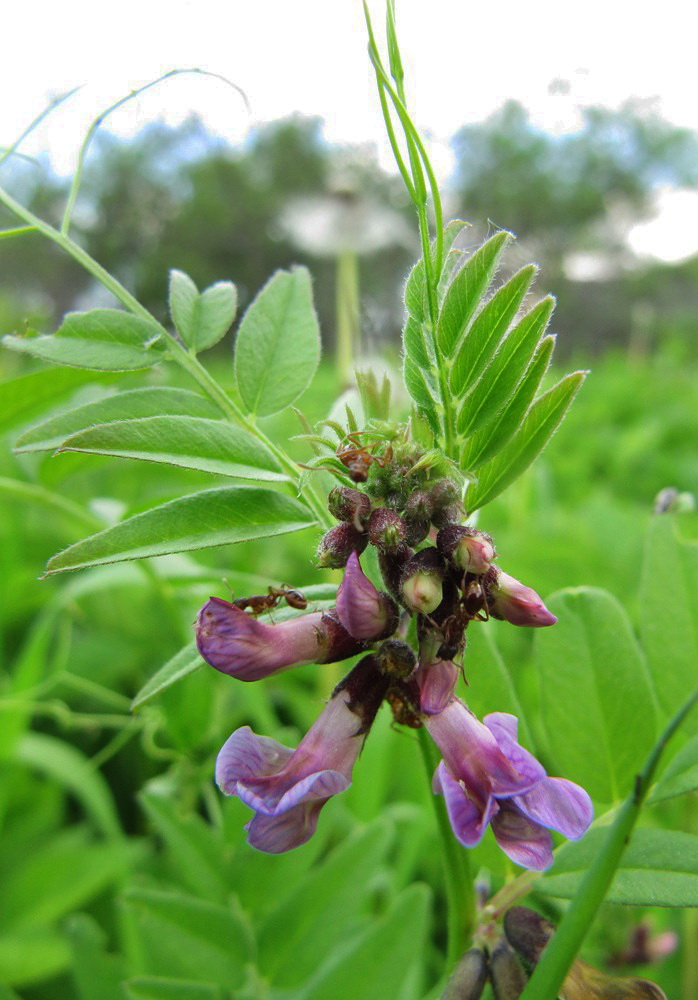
(485, 776)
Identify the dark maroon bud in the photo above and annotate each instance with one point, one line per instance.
(469, 977)
(386, 529)
(467, 548)
(392, 562)
(421, 587)
(527, 932)
(349, 505)
(506, 973)
(338, 544)
(443, 493)
(396, 658)
(419, 506)
(452, 513)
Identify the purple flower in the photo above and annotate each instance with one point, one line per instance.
(288, 788)
(515, 602)
(437, 682)
(235, 643)
(487, 778)
(364, 612)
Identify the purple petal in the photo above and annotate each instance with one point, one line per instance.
(559, 805)
(522, 840)
(247, 757)
(363, 611)
(276, 834)
(284, 795)
(504, 728)
(467, 819)
(436, 685)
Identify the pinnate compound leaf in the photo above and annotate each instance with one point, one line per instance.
(594, 683)
(128, 405)
(98, 974)
(487, 330)
(277, 349)
(499, 380)
(213, 517)
(485, 443)
(189, 442)
(670, 566)
(416, 382)
(30, 955)
(201, 318)
(541, 422)
(658, 868)
(183, 663)
(466, 291)
(100, 340)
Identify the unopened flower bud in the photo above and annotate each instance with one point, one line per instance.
(452, 513)
(506, 973)
(349, 505)
(338, 544)
(396, 658)
(417, 515)
(422, 581)
(365, 612)
(514, 602)
(527, 932)
(392, 562)
(467, 548)
(386, 529)
(469, 977)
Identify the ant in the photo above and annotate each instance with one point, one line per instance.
(265, 602)
(471, 604)
(357, 459)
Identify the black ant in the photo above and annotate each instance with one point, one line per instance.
(260, 603)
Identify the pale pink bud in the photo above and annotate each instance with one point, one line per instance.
(516, 603)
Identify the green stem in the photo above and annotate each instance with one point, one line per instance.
(458, 884)
(550, 973)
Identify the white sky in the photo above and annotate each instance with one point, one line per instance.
(462, 60)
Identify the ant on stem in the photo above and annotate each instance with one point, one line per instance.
(260, 603)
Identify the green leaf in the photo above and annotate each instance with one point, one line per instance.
(97, 974)
(670, 637)
(58, 876)
(416, 382)
(201, 319)
(466, 291)
(213, 446)
(278, 344)
(190, 938)
(491, 438)
(183, 663)
(680, 775)
(161, 988)
(328, 904)
(100, 340)
(499, 380)
(128, 405)
(659, 868)
(213, 517)
(30, 493)
(197, 854)
(32, 955)
(488, 329)
(594, 683)
(20, 397)
(68, 766)
(383, 961)
(541, 421)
